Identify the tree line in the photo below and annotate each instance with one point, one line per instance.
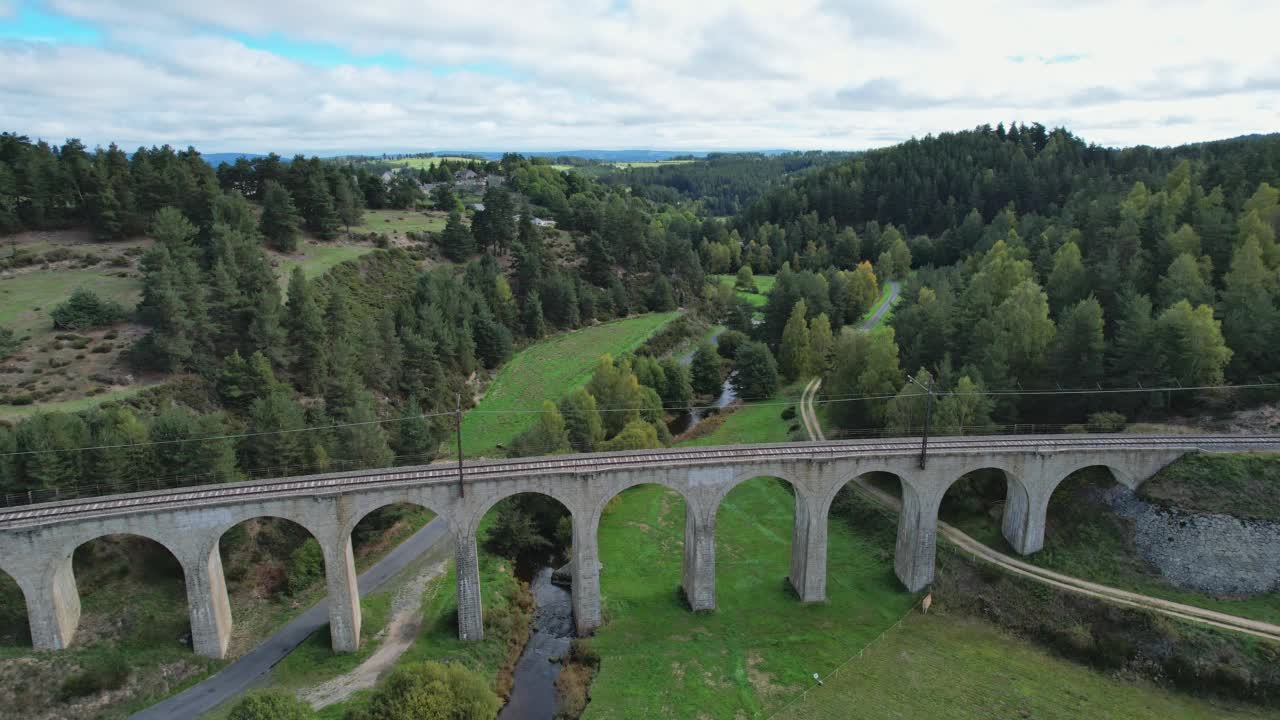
(1041, 263)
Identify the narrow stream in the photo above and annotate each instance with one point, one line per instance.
(533, 695)
(686, 421)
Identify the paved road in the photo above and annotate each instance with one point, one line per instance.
(978, 550)
(240, 675)
(894, 288)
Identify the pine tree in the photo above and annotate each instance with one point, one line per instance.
(348, 201)
(1185, 280)
(362, 440)
(795, 354)
(456, 241)
(415, 440)
(1068, 283)
(266, 449)
(822, 341)
(1250, 320)
(344, 376)
(170, 228)
(307, 335)
(1190, 345)
(1079, 349)
(535, 326)
(279, 222)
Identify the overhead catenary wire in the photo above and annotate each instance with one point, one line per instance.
(764, 402)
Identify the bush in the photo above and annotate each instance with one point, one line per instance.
(306, 566)
(8, 343)
(271, 705)
(728, 342)
(574, 682)
(84, 309)
(431, 691)
(109, 673)
(1106, 422)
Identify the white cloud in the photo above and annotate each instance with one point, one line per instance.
(664, 73)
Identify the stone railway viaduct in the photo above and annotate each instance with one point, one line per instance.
(37, 541)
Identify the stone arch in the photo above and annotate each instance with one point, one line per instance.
(1017, 508)
(337, 569)
(742, 476)
(75, 566)
(905, 481)
(367, 510)
(806, 547)
(647, 556)
(614, 491)
(1118, 474)
(474, 518)
(1073, 475)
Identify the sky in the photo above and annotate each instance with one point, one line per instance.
(404, 75)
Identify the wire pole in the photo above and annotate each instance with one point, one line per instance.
(457, 424)
(928, 412)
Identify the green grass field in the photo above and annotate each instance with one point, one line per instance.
(316, 259)
(418, 163)
(764, 283)
(548, 370)
(941, 666)
(399, 222)
(761, 645)
(751, 423)
(70, 406)
(27, 299)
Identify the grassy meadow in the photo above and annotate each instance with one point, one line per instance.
(315, 259)
(548, 370)
(419, 163)
(398, 223)
(943, 666)
(764, 283)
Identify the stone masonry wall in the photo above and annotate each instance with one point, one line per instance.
(1207, 552)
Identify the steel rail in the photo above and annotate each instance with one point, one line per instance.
(37, 514)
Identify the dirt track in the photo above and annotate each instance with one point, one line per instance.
(979, 551)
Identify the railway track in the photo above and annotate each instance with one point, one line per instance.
(981, 552)
(591, 463)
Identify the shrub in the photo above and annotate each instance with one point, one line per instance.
(84, 309)
(103, 348)
(271, 705)
(728, 342)
(431, 691)
(8, 343)
(109, 673)
(306, 565)
(1106, 422)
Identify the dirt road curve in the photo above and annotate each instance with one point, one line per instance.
(979, 551)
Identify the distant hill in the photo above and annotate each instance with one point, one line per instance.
(216, 159)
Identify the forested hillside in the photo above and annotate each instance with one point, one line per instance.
(1030, 260)
(724, 183)
(1040, 262)
(373, 353)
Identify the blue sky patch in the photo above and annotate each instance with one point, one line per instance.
(34, 25)
(318, 54)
